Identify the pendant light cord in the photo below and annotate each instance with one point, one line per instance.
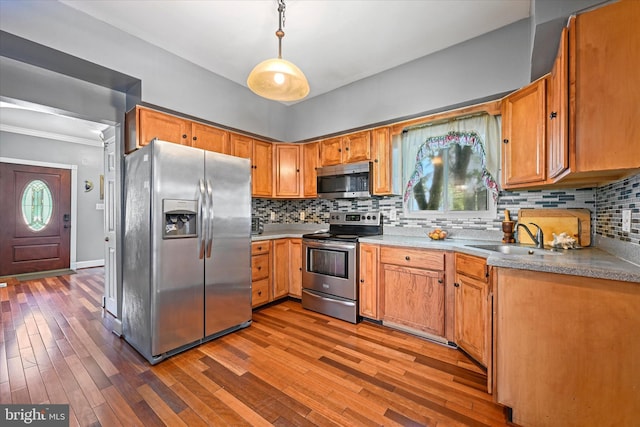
(280, 32)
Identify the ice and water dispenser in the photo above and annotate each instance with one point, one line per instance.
(180, 218)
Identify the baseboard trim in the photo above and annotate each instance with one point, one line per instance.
(89, 264)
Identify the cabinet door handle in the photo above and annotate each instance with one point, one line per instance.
(506, 141)
(376, 160)
(361, 280)
(259, 293)
(346, 149)
(339, 150)
(440, 281)
(457, 285)
(408, 258)
(195, 138)
(297, 170)
(259, 248)
(184, 136)
(553, 115)
(259, 268)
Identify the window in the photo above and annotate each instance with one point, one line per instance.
(37, 205)
(447, 169)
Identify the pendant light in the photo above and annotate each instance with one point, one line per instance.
(277, 78)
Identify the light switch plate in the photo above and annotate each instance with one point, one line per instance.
(273, 216)
(301, 215)
(626, 220)
(392, 215)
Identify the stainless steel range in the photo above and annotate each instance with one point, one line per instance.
(330, 273)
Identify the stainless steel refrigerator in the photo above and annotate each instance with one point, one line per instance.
(186, 248)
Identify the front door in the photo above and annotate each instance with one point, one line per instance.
(36, 218)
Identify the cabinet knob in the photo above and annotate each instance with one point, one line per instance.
(457, 285)
(106, 239)
(259, 248)
(408, 258)
(361, 280)
(440, 281)
(346, 149)
(376, 160)
(506, 141)
(259, 293)
(184, 136)
(553, 115)
(297, 170)
(300, 268)
(259, 268)
(195, 138)
(339, 150)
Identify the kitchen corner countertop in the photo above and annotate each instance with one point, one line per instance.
(278, 234)
(588, 262)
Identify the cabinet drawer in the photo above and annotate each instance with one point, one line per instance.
(259, 267)
(471, 266)
(432, 260)
(259, 292)
(260, 247)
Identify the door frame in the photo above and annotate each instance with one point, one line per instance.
(74, 201)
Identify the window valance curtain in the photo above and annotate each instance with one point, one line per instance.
(481, 133)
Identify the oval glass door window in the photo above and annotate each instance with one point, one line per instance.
(37, 205)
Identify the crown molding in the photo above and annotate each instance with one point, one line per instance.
(49, 135)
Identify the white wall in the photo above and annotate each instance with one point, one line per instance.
(88, 159)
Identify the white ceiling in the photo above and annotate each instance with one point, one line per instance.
(334, 42)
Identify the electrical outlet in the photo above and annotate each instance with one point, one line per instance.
(273, 216)
(626, 220)
(392, 215)
(301, 215)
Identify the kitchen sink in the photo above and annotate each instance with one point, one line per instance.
(516, 250)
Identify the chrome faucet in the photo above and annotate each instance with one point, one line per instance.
(539, 237)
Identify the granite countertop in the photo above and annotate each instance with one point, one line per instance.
(588, 262)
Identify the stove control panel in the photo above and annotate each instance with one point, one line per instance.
(355, 218)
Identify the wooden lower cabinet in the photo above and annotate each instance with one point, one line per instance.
(413, 289)
(473, 307)
(567, 349)
(368, 282)
(287, 268)
(260, 273)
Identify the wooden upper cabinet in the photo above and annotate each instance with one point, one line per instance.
(241, 146)
(355, 147)
(260, 154)
(604, 64)
(210, 138)
(288, 176)
(524, 136)
(331, 151)
(381, 155)
(558, 111)
(262, 163)
(310, 162)
(142, 125)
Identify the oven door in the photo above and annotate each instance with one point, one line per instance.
(330, 267)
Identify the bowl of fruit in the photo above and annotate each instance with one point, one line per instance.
(437, 234)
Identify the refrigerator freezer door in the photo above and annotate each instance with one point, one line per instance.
(228, 261)
(177, 270)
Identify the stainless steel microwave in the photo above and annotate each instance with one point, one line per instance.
(347, 181)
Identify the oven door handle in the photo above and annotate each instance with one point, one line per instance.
(349, 303)
(324, 244)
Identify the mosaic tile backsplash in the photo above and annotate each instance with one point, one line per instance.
(611, 200)
(605, 203)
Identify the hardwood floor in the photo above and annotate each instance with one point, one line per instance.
(290, 367)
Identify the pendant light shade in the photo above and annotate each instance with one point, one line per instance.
(277, 78)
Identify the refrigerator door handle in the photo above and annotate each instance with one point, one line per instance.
(209, 218)
(203, 221)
